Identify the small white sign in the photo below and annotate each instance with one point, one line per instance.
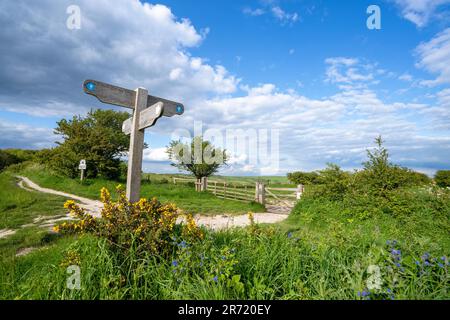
(82, 165)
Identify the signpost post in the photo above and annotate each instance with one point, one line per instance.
(146, 111)
(82, 167)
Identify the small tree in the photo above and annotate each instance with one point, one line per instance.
(97, 138)
(199, 157)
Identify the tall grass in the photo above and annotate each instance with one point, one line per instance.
(266, 265)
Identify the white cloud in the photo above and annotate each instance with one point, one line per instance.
(254, 12)
(277, 12)
(420, 12)
(283, 16)
(406, 77)
(127, 43)
(18, 135)
(434, 57)
(346, 70)
(156, 154)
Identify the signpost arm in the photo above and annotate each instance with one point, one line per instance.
(136, 148)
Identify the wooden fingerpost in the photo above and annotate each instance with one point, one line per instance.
(136, 148)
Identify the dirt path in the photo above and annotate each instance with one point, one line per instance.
(93, 207)
(274, 213)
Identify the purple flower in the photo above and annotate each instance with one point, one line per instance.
(289, 235)
(440, 265)
(175, 263)
(183, 244)
(215, 279)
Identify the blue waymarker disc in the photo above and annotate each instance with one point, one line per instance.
(90, 86)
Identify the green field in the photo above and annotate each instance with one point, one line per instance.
(324, 250)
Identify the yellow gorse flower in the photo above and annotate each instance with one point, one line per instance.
(146, 223)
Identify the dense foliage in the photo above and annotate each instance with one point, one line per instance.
(304, 178)
(97, 138)
(442, 178)
(14, 156)
(200, 157)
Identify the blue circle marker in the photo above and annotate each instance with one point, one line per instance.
(180, 109)
(90, 86)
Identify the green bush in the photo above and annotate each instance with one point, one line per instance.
(7, 159)
(442, 178)
(305, 178)
(333, 182)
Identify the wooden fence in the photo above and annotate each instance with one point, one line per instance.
(245, 192)
(240, 192)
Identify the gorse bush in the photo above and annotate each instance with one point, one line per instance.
(144, 226)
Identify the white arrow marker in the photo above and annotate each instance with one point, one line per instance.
(147, 118)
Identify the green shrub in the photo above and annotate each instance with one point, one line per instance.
(333, 183)
(305, 178)
(144, 226)
(7, 159)
(442, 178)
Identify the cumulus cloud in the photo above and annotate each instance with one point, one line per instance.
(156, 154)
(420, 12)
(129, 43)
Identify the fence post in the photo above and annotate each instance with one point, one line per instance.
(300, 190)
(260, 193)
(204, 184)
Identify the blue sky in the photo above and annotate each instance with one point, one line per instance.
(310, 69)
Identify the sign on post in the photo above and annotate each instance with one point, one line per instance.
(82, 167)
(146, 111)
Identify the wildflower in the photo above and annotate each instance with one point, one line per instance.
(215, 279)
(183, 244)
(289, 235)
(418, 263)
(425, 256)
(440, 265)
(398, 265)
(175, 263)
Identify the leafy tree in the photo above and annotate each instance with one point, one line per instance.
(199, 157)
(442, 178)
(97, 138)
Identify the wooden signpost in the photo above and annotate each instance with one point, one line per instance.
(146, 111)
